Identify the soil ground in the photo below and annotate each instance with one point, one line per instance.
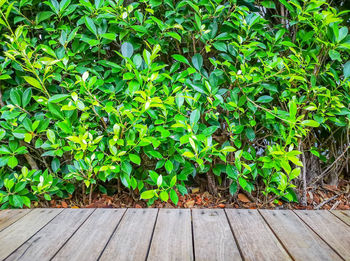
(324, 197)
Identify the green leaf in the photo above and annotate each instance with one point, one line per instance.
(197, 61)
(147, 194)
(346, 70)
(90, 25)
(127, 49)
(16, 201)
(58, 98)
(180, 58)
(294, 173)
(182, 189)
(250, 133)
(26, 201)
(33, 82)
(12, 162)
(194, 117)
(164, 196)
(334, 55)
(109, 36)
(210, 130)
(264, 99)
(243, 183)
(15, 97)
(51, 136)
(169, 166)
(64, 4)
(135, 158)
(126, 167)
(173, 196)
(310, 123)
(27, 95)
(174, 35)
(233, 188)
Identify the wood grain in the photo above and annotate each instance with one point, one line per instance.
(92, 236)
(330, 229)
(344, 215)
(255, 238)
(132, 238)
(172, 238)
(213, 238)
(44, 244)
(8, 217)
(300, 241)
(13, 237)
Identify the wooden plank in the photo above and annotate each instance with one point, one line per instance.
(344, 215)
(8, 217)
(213, 238)
(172, 237)
(301, 242)
(330, 229)
(132, 238)
(44, 244)
(255, 238)
(13, 237)
(91, 238)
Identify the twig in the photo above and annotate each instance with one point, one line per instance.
(304, 200)
(336, 204)
(324, 173)
(326, 201)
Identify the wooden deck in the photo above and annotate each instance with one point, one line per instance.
(173, 234)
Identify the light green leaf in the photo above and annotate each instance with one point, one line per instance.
(135, 158)
(33, 82)
(180, 58)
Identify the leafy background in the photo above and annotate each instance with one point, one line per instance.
(155, 96)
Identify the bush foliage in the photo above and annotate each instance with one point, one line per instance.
(156, 95)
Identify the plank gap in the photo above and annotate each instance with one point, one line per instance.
(192, 233)
(30, 236)
(75, 231)
(313, 225)
(234, 236)
(279, 240)
(13, 218)
(99, 257)
(344, 217)
(150, 241)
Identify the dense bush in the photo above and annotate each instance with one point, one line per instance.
(155, 95)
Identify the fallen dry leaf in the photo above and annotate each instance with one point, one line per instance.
(189, 204)
(243, 198)
(195, 190)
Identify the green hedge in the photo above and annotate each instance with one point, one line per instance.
(157, 95)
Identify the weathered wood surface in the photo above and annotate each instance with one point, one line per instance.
(132, 237)
(91, 238)
(174, 242)
(343, 215)
(212, 236)
(330, 229)
(302, 243)
(8, 217)
(255, 238)
(45, 243)
(18, 233)
(174, 234)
